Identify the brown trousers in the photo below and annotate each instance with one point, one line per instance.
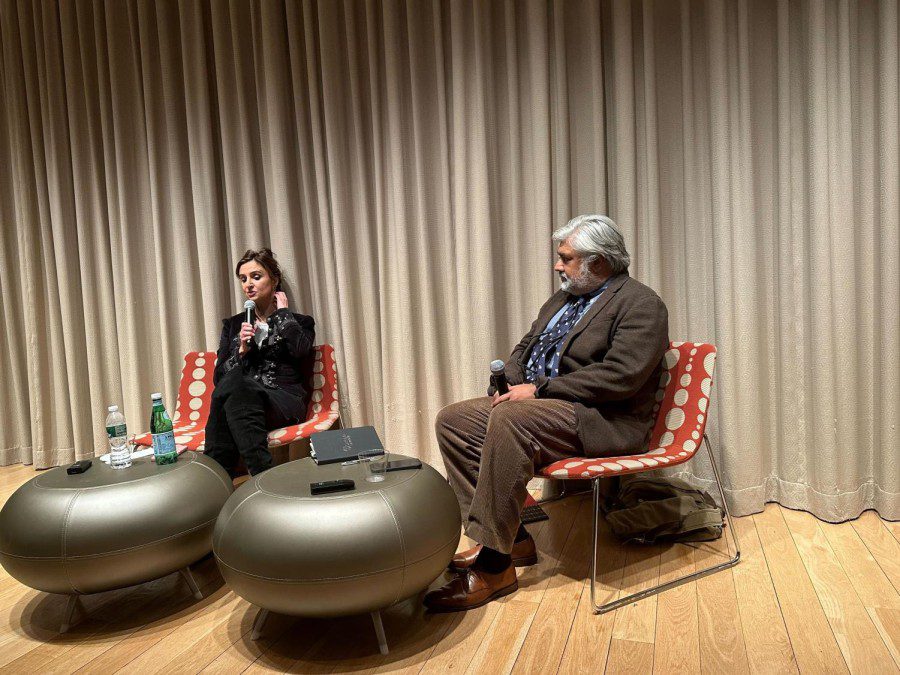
(490, 455)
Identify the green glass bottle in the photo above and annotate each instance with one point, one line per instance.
(163, 435)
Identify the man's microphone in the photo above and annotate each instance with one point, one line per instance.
(498, 377)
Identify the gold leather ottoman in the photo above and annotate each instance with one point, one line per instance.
(291, 552)
(111, 528)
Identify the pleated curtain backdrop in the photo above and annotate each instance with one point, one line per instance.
(407, 161)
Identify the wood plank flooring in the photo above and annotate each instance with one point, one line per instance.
(808, 597)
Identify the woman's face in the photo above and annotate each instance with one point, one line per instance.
(256, 283)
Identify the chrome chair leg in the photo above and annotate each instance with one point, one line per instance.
(728, 521)
(634, 597)
(556, 490)
(595, 522)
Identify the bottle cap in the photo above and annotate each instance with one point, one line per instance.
(113, 408)
(156, 397)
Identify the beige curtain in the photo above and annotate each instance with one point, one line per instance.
(754, 161)
(408, 160)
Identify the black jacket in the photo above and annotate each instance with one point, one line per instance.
(282, 363)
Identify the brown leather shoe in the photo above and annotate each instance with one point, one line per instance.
(523, 552)
(472, 588)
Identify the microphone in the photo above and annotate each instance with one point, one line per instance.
(249, 309)
(498, 377)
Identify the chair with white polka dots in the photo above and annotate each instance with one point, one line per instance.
(195, 396)
(324, 406)
(682, 406)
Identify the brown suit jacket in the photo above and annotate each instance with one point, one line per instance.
(610, 365)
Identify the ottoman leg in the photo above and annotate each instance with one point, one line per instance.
(258, 623)
(189, 578)
(70, 611)
(379, 631)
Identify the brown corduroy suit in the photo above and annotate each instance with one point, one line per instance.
(600, 404)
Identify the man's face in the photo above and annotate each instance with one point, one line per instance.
(568, 263)
(575, 275)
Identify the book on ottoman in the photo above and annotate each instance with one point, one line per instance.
(343, 445)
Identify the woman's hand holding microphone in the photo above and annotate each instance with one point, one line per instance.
(247, 331)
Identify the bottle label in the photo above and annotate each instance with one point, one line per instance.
(116, 431)
(164, 444)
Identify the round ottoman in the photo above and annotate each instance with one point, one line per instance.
(288, 551)
(110, 528)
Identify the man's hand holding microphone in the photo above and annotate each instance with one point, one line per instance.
(517, 392)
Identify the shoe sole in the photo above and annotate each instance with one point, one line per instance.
(506, 590)
(527, 561)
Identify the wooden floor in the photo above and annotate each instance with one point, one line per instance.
(808, 596)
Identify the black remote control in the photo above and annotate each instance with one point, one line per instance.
(401, 464)
(80, 466)
(331, 486)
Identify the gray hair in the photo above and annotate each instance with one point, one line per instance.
(592, 236)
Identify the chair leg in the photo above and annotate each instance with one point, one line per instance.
(595, 525)
(550, 493)
(634, 597)
(728, 521)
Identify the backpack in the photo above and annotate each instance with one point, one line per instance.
(648, 510)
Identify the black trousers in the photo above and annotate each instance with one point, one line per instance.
(240, 417)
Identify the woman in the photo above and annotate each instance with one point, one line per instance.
(261, 369)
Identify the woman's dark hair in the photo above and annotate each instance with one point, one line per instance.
(266, 258)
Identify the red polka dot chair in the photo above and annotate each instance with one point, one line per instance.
(682, 405)
(195, 396)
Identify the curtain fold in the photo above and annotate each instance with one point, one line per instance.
(408, 160)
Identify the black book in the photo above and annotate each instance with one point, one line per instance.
(343, 445)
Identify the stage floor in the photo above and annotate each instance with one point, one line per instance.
(807, 595)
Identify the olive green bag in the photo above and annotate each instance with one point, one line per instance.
(648, 510)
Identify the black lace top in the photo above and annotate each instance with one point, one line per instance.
(284, 359)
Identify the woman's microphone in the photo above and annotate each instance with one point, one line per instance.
(249, 310)
(498, 377)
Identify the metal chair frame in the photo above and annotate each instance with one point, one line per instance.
(647, 592)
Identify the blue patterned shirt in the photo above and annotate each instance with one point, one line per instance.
(545, 355)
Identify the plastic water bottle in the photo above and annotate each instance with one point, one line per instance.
(164, 451)
(117, 434)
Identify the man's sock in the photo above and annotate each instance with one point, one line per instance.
(492, 561)
(522, 534)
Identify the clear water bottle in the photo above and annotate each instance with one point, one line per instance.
(164, 451)
(117, 434)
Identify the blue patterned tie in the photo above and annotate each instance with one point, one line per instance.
(549, 340)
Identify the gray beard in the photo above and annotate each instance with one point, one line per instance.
(584, 283)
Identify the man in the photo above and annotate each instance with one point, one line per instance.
(582, 383)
